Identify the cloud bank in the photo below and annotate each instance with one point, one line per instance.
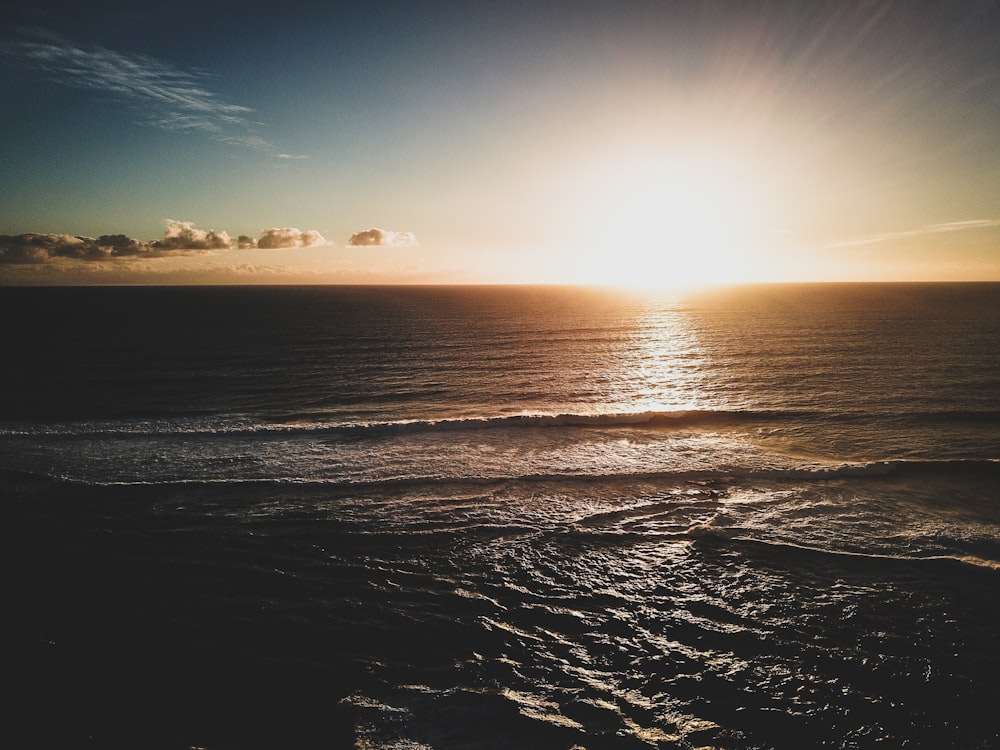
(382, 238)
(179, 239)
(163, 95)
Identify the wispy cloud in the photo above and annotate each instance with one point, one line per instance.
(951, 226)
(163, 95)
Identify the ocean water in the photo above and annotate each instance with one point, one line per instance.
(475, 517)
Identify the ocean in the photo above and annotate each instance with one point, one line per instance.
(415, 518)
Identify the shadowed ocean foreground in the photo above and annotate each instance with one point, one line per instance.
(503, 517)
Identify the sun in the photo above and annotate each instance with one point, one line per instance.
(671, 219)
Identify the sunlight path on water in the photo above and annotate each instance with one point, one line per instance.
(663, 367)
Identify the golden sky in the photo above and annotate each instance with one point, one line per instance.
(636, 143)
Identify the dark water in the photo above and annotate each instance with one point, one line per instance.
(502, 517)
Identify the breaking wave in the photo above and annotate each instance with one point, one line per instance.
(322, 425)
(726, 476)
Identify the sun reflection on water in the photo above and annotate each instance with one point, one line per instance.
(664, 366)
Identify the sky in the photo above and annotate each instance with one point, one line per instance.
(642, 143)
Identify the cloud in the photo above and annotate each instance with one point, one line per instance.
(122, 246)
(182, 235)
(165, 96)
(38, 248)
(289, 237)
(382, 238)
(951, 226)
(180, 238)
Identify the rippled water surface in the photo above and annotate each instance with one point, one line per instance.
(496, 518)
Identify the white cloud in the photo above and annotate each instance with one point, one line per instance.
(179, 238)
(382, 238)
(182, 235)
(287, 237)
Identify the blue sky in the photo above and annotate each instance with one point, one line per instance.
(651, 142)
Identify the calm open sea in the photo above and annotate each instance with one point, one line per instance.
(412, 518)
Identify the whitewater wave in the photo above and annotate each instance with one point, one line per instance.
(323, 425)
(319, 425)
(730, 476)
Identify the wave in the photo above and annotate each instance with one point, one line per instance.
(647, 419)
(722, 478)
(736, 475)
(322, 424)
(897, 468)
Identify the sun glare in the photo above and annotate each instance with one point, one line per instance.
(672, 220)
